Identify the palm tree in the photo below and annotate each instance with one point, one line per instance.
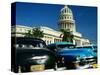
(67, 36)
(35, 33)
(29, 34)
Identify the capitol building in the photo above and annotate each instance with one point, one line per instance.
(66, 22)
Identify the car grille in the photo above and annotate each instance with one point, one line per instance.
(87, 60)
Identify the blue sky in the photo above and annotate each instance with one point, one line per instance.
(33, 14)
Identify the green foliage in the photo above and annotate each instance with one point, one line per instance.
(35, 33)
(28, 34)
(67, 36)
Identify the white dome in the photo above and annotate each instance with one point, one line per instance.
(66, 10)
(66, 13)
(66, 20)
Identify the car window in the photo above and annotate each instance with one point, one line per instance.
(30, 44)
(65, 46)
(24, 46)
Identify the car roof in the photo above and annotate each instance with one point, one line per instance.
(58, 43)
(26, 39)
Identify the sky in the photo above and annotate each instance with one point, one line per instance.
(35, 14)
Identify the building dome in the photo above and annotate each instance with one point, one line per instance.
(66, 10)
(66, 13)
(66, 20)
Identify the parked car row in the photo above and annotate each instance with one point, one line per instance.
(32, 54)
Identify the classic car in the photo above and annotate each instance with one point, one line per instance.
(31, 54)
(76, 58)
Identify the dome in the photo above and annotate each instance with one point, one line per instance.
(66, 10)
(66, 20)
(66, 13)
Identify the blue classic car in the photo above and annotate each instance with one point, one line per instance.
(70, 56)
(74, 58)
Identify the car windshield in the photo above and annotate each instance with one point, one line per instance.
(30, 43)
(65, 46)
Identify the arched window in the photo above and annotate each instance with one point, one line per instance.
(70, 17)
(65, 10)
(67, 17)
(65, 25)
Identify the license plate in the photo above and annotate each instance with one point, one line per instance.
(37, 68)
(94, 65)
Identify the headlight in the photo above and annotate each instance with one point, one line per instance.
(62, 59)
(77, 58)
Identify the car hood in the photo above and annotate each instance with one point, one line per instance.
(33, 56)
(74, 52)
